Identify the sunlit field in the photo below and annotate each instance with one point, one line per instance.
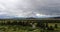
(29, 26)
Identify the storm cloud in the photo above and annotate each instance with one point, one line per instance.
(30, 8)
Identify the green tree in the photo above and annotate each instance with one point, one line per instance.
(50, 28)
(56, 26)
(47, 25)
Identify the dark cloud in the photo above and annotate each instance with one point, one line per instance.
(33, 8)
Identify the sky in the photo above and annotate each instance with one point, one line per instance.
(29, 8)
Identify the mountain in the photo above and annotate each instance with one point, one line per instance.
(6, 17)
(56, 17)
(14, 17)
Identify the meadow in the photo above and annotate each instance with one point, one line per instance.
(29, 26)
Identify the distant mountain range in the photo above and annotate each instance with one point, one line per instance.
(56, 17)
(6, 17)
(13, 17)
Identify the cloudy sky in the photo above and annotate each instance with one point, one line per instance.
(29, 8)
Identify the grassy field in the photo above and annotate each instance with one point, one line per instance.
(19, 28)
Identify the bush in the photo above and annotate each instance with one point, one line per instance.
(56, 26)
(47, 25)
(50, 28)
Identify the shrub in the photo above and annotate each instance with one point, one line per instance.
(50, 28)
(56, 26)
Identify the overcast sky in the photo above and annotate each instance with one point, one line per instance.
(30, 8)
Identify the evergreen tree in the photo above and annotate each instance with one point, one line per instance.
(47, 25)
(56, 26)
(50, 28)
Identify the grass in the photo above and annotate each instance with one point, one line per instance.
(18, 28)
